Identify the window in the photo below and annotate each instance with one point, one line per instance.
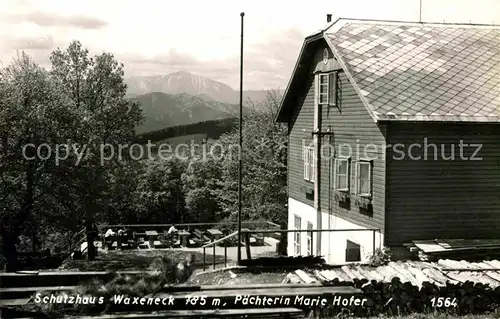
(296, 236)
(364, 178)
(327, 90)
(309, 238)
(323, 88)
(342, 174)
(309, 169)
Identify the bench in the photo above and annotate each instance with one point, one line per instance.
(259, 238)
(198, 233)
(113, 240)
(204, 239)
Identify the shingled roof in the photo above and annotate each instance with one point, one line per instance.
(421, 72)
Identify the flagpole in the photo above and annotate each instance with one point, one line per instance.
(240, 166)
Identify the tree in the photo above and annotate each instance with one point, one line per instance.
(202, 182)
(33, 113)
(160, 191)
(124, 205)
(264, 194)
(107, 121)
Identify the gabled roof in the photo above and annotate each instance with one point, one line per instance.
(419, 71)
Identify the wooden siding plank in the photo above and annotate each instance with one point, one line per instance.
(438, 198)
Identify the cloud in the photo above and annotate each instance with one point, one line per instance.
(267, 64)
(171, 59)
(41, 18)
(29, 43)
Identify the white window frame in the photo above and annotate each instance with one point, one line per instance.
(309, 238)
(324, 81)
(309, 164)
(296, 235)
(358, 178)
(346, 175)
(329, 81)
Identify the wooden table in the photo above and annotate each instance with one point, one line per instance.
(152, 235)
(214, 233)
(184, 237)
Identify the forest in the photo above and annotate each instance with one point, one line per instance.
(80, 100)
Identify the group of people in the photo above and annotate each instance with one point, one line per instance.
(124, 234)
(109, 236)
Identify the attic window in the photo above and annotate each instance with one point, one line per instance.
(327, 89)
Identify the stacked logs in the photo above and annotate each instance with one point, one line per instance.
(399, 298)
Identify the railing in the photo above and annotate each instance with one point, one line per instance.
(74, 239)
(246, 233)
(374, 231)
(154, 226)
(213, 244)
(244, 237)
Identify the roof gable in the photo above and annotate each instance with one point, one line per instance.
(407, 71)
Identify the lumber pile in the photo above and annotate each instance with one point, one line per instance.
(469, 249)
(397, 288)
(413, 290)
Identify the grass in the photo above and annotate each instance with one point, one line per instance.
(139, 260)
(237, 277)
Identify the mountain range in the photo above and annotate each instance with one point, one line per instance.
(162, 110)
(182, 98)
(192, 84)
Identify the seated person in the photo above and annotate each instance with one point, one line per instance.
(172, 230)
(109, 233)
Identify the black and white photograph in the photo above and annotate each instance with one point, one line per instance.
(250, 159)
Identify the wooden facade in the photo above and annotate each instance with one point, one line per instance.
(353, 129)
(434, 192)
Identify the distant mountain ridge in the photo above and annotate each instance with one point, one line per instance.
(162, 110)
(192, 84)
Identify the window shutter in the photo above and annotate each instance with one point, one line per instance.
(316, 99)
(370, 178)
(327, 77)
(313, 166)
(306, 166)
(354, 178)
(332, 89)
(335, 173)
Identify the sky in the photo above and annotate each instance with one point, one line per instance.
(203, 37)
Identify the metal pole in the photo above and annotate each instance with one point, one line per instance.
(240, 167)
(420, 13)
(373, 252)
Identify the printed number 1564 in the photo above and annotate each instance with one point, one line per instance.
(440, 302)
